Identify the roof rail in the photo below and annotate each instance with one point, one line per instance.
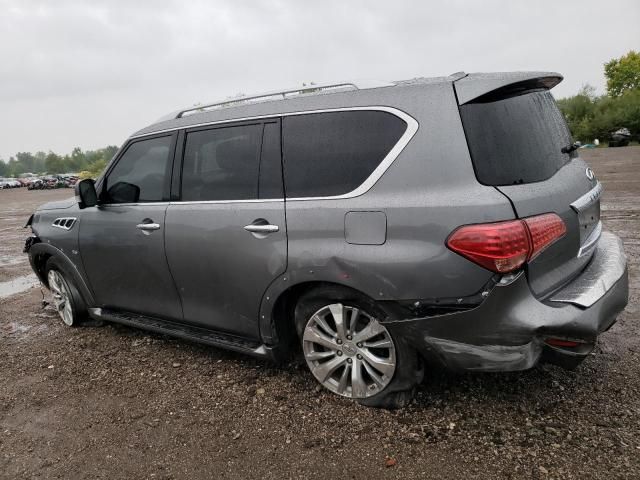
(276, 95)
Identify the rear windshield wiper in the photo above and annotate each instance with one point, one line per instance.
(571, 148)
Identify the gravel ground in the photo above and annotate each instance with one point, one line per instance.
(114, 402)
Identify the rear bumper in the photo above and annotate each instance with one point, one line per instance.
(508, 330)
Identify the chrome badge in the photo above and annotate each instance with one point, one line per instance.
(590, 174)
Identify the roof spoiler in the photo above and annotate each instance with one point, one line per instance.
(487, 87)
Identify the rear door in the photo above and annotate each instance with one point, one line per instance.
(226, 235)
(516, 139)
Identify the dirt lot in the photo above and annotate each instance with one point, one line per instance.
(113, 402)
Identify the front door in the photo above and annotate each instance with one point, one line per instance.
(226, 237)
(122, 239)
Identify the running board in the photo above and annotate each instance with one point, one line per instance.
(187, 332)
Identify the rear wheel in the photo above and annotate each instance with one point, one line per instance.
(351, 353)
(65, 297)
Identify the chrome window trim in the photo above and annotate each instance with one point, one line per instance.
(191, 202)
(364, 187)
(139, 204)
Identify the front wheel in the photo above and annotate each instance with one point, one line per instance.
(66, 299)
(351, 353)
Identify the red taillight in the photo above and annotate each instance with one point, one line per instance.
(544, 230)
(503, 247)
(500, 247)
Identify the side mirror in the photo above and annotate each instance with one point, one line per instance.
(86, 193)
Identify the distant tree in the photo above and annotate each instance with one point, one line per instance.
(76, 161)
(27, 162)
(14, 167)
(98, 160)
(40, 158)
(598, 117)
(579, 111)
(54, 163)
(42, 162)
(623, 74)
(109, 152)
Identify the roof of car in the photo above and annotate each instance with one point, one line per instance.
(335, 95)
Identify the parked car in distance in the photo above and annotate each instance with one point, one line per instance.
(9, 183)
(36, 184)
(620, 138)
(377, 229)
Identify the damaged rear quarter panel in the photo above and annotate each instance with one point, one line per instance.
(423, 203)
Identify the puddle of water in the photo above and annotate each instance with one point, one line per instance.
(17, 285)
(8, 260)
(15, 327)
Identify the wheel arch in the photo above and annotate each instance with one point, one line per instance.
(277, 322)
(40, 253)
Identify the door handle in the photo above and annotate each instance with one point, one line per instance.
(253, 228)
(148, 227)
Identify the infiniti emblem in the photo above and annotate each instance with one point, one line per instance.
(349, 349)
(590, 174)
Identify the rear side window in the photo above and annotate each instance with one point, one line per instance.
(333, 153)
(140, 173)
(222, 164)
(517, 139)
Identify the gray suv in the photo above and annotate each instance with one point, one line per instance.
(376, 228)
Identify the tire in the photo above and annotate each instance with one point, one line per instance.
(66, 299)
(336, 355)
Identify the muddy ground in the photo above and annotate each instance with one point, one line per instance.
(114, 402)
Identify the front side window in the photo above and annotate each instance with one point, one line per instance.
(333, 153)
(222, 163)
(141, 172)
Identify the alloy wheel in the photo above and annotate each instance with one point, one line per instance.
(61, 296)
(349, 351)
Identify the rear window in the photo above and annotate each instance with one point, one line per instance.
(517, 139)
(333, 153)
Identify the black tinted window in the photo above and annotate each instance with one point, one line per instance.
(333, 153)
(270, 163)
(141, 172)
(517, 139)
(222, 164)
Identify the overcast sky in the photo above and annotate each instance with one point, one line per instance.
(88, 73)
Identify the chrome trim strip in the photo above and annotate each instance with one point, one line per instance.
(591, 241)
(215, 202)
(140, 204)
(412, 128)
(192, 202)
(606, 268)
(392, 110)
(588, 198)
